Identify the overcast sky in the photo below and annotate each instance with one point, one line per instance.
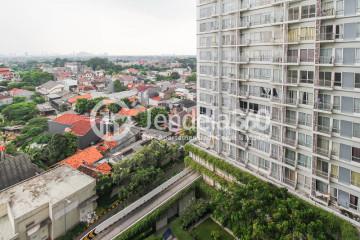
(116, 27)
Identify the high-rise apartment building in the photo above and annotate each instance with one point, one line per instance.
(299, 61)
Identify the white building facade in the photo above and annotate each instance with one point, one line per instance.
(299, 62)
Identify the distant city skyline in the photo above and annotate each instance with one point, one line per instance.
(126, 27)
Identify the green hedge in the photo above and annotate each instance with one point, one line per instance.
(240, 175)
(257, 190)
(149, 221)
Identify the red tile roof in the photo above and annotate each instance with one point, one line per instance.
(156, 98)
(69, 119)
(81, 127)
(4, 70)
(74, 99)
(15, 91)
(131, 112)
(88, 156)
(104, 168)
(143, 88)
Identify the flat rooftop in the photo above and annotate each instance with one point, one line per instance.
(49, 187)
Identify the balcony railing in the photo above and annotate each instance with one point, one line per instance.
(292, 101)
(322, 174)
(292, 59)
(290, 161)
(322, 151)
(291, 121)
(327, 60)
(323, 106)
(292, 80)
(327, 12)
(275, 137)
(324, 83)
(290, 141)
(327, 36)
(290, 182)
(323, 128)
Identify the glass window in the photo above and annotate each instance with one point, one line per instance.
(357, 80)
(356, 130)
(336, 126)
(356, 154)
(304, 161)
(334, 171)
(355, 179)
(308, 11)
(305, 140)
(338, 77)
(356, 105)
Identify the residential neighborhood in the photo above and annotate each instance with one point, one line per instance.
(180, 120)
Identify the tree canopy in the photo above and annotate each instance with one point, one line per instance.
(142, 118)
(35, 77)
(22, 111)
(119, 86)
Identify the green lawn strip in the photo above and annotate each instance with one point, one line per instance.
(178, 231)
(206, 228)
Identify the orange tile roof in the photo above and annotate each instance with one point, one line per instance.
(104, 168)
(88, 156)
(74, 99)
(131, 112)
(81, 127)
(158, 98)
(69, 119)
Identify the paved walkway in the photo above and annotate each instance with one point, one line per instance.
(126, 218)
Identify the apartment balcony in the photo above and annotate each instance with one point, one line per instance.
(322, 151)
(275, 137)
(276, 80)
(291, 121)
(327, 60)
(291, 101)
(276, 117)
(243, 59)
(290, 141)
(292, 59)
(275, 99)
(323, 129)
(293, 17)
(327, 36)
(292, 81)
(323, 106)
(289, 161)
(290, 182)
(324, 83)
(322, 174)
(326, 12)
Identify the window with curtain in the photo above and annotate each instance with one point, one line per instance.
(355, 179)
(334, 171)
(338, 55)
(293, 35)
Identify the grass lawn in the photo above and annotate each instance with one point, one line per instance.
(204, 230)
